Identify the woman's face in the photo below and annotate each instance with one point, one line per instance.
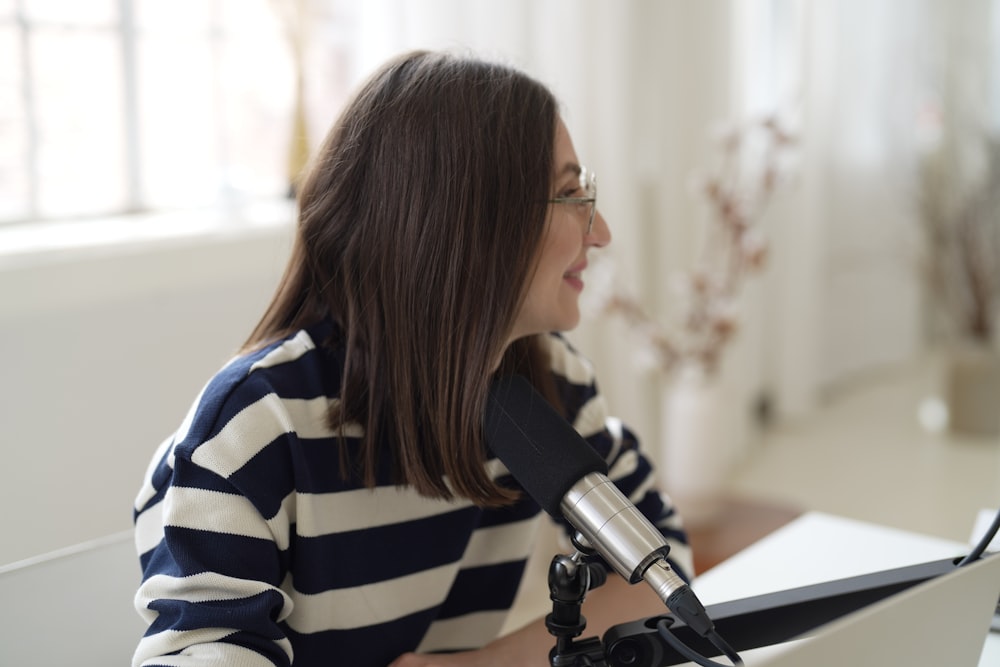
(552, 300)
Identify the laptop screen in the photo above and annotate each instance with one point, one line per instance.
(942, 621)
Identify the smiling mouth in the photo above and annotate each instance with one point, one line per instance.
(574, 278)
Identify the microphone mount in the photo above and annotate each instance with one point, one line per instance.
(570, 577)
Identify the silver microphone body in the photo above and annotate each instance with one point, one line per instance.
(613, 526)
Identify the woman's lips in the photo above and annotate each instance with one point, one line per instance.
(575, 276)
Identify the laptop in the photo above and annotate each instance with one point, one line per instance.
(931, 614)
(942, 622)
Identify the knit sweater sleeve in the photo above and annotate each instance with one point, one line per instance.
(628, 466)
(213, 543)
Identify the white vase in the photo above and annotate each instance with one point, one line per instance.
(703, 428)
(972, 390)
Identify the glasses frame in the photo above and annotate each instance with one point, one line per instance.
(588, 181)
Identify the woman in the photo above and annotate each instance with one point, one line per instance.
(329, 498)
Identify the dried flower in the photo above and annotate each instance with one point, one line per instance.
(753, 245)
(736, 194)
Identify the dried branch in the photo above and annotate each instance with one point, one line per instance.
(737, 194)
(961, 219)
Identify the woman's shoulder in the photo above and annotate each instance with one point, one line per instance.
(259, 386)
(245, 419)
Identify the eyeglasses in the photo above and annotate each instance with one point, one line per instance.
(588, 183)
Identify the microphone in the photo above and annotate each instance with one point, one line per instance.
(568, 478)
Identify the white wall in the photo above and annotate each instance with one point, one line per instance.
(103, 351)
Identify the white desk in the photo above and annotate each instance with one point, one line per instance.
(819, 547)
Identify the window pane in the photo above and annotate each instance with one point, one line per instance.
(77, 12)
(215, 96)
(78, 90)
(179, 147)
(257, 81)
(175, 17)
(14, 184)
(6, 10)
(178, 103)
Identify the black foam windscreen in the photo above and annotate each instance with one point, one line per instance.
(541, 449)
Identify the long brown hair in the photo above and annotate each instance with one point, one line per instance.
(419, 223)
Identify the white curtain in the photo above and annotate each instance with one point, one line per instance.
(847, 293)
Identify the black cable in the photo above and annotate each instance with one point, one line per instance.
(724, 646)
(980, 547)
(663, 627)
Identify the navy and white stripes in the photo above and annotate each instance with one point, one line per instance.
(255, 551)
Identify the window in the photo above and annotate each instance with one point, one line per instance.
(120, 106)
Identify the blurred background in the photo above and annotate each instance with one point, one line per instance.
(147, 150)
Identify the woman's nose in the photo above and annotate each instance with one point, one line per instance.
(600, 233)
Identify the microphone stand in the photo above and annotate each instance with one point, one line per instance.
(570, 577)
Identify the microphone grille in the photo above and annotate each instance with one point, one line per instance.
(541, 449)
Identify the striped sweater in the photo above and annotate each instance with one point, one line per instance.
(255, 551)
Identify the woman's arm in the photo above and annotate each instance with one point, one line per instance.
(211, 580)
